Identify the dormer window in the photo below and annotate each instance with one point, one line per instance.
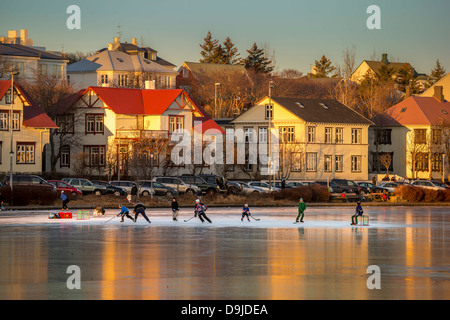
(323, 105)
(119, 59)
(300, 104)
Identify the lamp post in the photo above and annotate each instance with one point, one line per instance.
(118, 149)
(215, 98)
(151, 175)
(269, 132)
(11, 154)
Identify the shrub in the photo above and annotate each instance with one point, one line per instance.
(309, 193)
(417, 194)
(25, 196)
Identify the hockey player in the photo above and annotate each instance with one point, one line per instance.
(175, 209)
(65, 200)
(124, 212)
(139, 208)
(301, 210)
(199, 210)
(246, 212)
(359, 212)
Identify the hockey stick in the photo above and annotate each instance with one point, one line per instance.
(189, 219)
(254, 218)
(109, 220)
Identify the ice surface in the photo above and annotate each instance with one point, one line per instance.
(323, 258)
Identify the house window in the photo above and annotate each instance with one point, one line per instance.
(4, 121)
(383, 136)
(356, 136)
(269, 112)
(296, 161)
(262, 135)
(437, 134)
(420, 136)
(185, 73)
(356, 163)
(328, 135)
(42, 69)
(311, 134)
(287, 134)
(436, 162)
(65, 123)
(311, 162)
(339, 135)
(95, 155)
(327, 164)
(248, 166)
(64, 160)
(376, 161)
(421, 161)
(94, 123)
(248, 135)
(104, 79)
(176, 123)
(339, 163)
(123, 80)
(25, 152)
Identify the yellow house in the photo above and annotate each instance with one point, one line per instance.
(318, 139)
(30, 131)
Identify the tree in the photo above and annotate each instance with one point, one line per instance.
(324, 69)
(405, 78)
(230, 52)
(211, 50)
(436, 74)
(257, 61)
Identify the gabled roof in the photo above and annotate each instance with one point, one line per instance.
(321, 110)
(376, 65)
(415, 111)
(33, 115)
(24, 51)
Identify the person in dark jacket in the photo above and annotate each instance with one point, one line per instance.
(359, 212)
(134, 192)
(175, 209)
(139, 208)
(200, 210)
(65, 200)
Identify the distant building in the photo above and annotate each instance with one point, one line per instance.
(444, 83)
(31, 127)
(415, 136)
(124, 65)
(14, 37)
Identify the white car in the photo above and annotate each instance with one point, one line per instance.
(389, 186)
(428, 184)
(262, 185)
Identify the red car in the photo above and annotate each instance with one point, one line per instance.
(67, 188)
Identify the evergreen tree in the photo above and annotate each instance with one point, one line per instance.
(323, 68)
(405, 77)
(437, 73)
(256, 61)
(230, 54)
(210, 49)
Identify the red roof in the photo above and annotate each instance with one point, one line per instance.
(33, 115)
(415, 111)
(207, 124)
(136, 101)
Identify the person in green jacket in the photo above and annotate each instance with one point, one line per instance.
(301, 210)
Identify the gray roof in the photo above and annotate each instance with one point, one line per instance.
(24, 51)
(321, 110)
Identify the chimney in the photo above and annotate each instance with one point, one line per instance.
(385, 59)
(116, 39)
(110, 46)
(134, 41)
(150, 85)
(439, 93)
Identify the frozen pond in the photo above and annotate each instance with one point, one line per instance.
(270, 259)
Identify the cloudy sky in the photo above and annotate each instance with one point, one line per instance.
(298, 31)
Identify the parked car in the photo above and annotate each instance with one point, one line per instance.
(295, 184)
(221, 182)
(279, 185)
(263, 186)
(329, 185)
(117, 191)
(389, 186)
(86, 186)
(127, 185)
(433, 185)
(159, 189)
(205, 187)
(234, 187)
(69, 190)
(177, 184)
(346, 186)
(29, 180)
(246, 188)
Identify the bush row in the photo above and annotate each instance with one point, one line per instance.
(417, 194)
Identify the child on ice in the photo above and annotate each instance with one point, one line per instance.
(199, 210)
(359, 212)
(301, 210)
(65, 201)
(246, 213)
(124, 212)
(175, 209)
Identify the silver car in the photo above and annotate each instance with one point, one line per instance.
(177, 184)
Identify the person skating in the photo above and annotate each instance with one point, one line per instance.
(65, 200)
(199, 210)
(359, 212)
(246, 212)
(175, 209)
(301, 210)
(124, 212)
(139, 208)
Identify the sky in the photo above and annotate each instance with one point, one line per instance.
(297, 32)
